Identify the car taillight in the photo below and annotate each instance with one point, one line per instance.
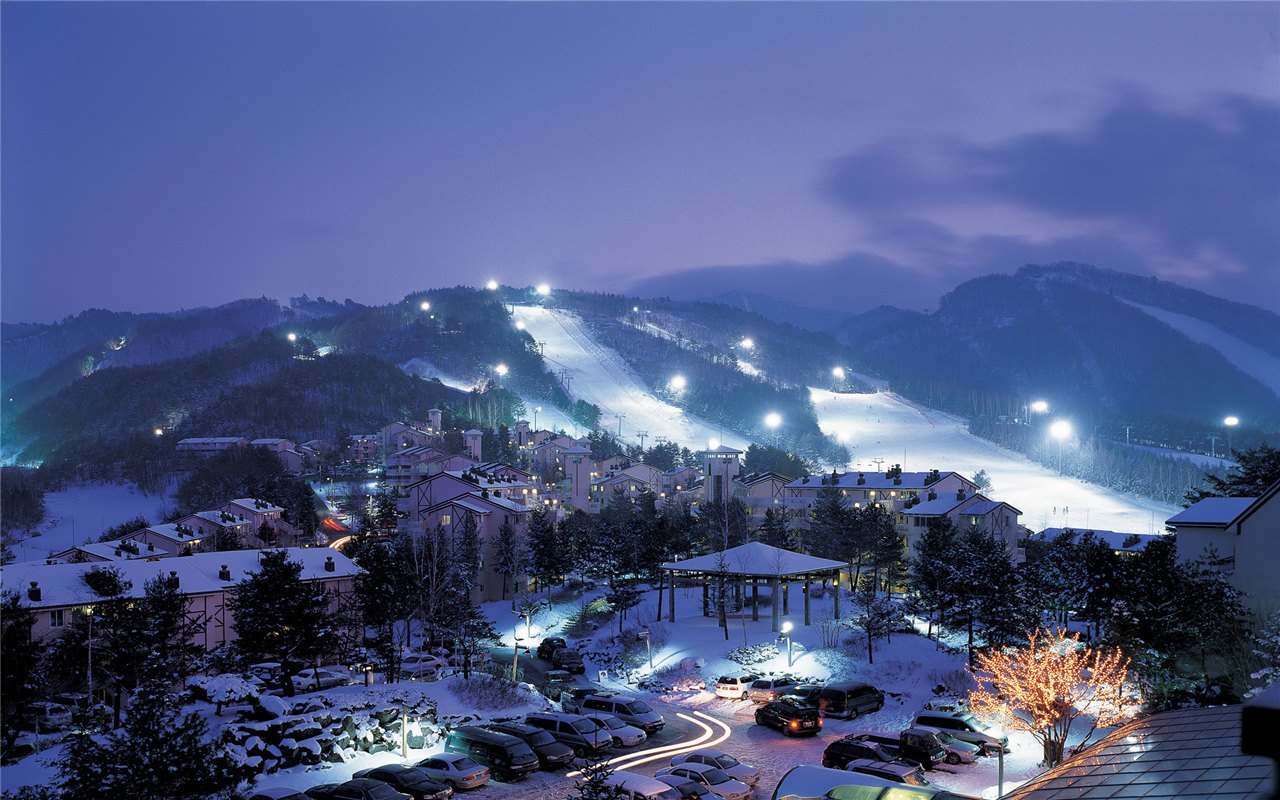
(819, 722)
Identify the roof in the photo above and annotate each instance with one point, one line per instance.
(166, 530)
(112, 551)
(874, 480)
(476, 502)
(1113, 539)
(576, 450)
(215, 517)
(1192, 752)
(981, 509)
(211, 440)
(937, 506)
(753, 478)
(251, 503)
(473, 432)
(723, 449)
(1218, 511)
(276, 440)
(757, 559)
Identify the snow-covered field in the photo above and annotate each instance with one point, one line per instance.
(885, 426)
(598, 375)
(81, 513)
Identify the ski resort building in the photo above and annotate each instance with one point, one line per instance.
(489, 513)
(629, 483)
(965, 509)
(205, 446)
(891, 488)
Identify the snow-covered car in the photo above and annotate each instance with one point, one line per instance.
(766, 690)
(910, 774)
(734, 687)
(455, 769)
(714, 778)
(307, 679)
(409, 780)
(478, 659)
(719, 758)
(355, 789)
(45, 716)
(624, 735)
(422, 666)
(965, 727)
(688, 789)
(278, 793)
(958, 751)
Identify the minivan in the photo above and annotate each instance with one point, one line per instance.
(506, 756)
(582, 734)
(734, 687)
(848, 700)
(551, 753)
(631, 710)
(965, 727)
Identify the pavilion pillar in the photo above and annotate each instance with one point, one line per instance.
(671, 599)
(786, 597)
(773, 597)
(755, 600)
(807, 587)
(836, 602)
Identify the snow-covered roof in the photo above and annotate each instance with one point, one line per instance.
(269, 442)
(475, 501)
(216, 518)
(167, 530)
(1219, 511)
(1113, 539)
(936, 507)
(256, 505)
(211, 440)
(576, 450)
(873, 480)
(723, 449)
(759, 560)
(473, 432)
(985, 507)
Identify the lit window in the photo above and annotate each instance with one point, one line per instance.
(445, 519)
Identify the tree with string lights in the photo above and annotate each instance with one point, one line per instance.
(1044, 687)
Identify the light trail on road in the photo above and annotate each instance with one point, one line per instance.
(707, 738)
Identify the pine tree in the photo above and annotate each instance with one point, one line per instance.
(466, 550)
(385, 600)
(593, 783)
(509, 557)
(774, 531)
(1255, 471)
(280, 617)
(20, 655)
(932, 578)
(547, 554)
(829, 524)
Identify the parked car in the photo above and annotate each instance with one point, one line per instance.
(45, 716)
(422, 666)
(957, 750)
(551, 753)
(551, 644)
(766, 690)
(507, 757)
(327, 678)
(734, 687)
(894, 771)
(278, 793)
(572, 695)
(965, 727)
(809, 694)
(624, 735)
(584, 735)
(629, 709)
(912, 746)
(719, 758)
(789, 717)
(568, 660)
(355, 789)
(854, 747)
(689, 790)
(454, 770)
(848, 700)
(633, 786)
(409, 780)
(555, 681)
(714, 778)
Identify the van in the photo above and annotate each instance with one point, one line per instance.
(965, 727)
(848, 700)
(507, 757)
(631, 710)
(633, 786)
(734, 687)
(584, 735)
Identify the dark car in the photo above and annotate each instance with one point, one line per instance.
(806, 694)
(507, 757)
(848, 700)
(278, 793)
(551, 753)
(410, 780)
(912, 746)
(689, 790)
(355, 789)
(790, 717)
(568, 660)
(551, 644)
(853, 747)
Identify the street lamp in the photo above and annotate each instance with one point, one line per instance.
(536, 409)
(159, 431)
(648, 642)
(515, 658)
(1229, 423)
(519, 324)
(786, 631)
(424, 305)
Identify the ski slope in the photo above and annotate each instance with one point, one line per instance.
(600, 376)
(885, 426)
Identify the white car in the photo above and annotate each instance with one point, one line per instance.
(714, 778)
(46, 716)
(624, 735)
(422, 666)
(455, 769)
(958, 752)
(718, 758)
(307, 679)
(734, 687)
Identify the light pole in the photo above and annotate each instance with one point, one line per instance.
(515, 658)
(786, 631)
(648, 643)
(536, 409)
(771, 421)
(1060, 430)
(1229, 423)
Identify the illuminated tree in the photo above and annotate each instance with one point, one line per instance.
(1044, 687)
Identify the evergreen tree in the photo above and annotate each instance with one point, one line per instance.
(20, 655)
(885, 545)
(385, 600)
(1255, 471)
(874, 614)
(829, 523)
(280, 617)
(593, 782)
(466, 550)
(509, 557)
(774, 531)
(548, 557)
(932, 578)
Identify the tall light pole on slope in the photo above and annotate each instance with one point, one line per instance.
(1229, 423)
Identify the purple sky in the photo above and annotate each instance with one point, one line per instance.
(166, 155)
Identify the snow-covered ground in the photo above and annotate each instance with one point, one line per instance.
(598, 375)
(81, 513)
(885, 426)
(1253, 361)
(1219, 464)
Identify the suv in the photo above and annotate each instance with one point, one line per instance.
(551, 753)
(808, 693)
(734, 687)
(848, 700)
(853, 748)
(909, 774)
(913, 746)
(790, 717)
(575, 730)
(965, 727)
(766, 690)
(568, 660)
(957, 751)
(507, 757)
(551, 644)
(631, 710)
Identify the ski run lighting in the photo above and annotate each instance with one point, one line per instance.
(772, 420)
(1231, 422)
(543, 289)
(501, 369)
(837, 373)
(492, 285)
(1060, 430)
(747, 343)
(425, 306)
(677, 383)
(1040, 406)
(293, 337)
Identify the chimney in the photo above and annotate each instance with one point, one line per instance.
(329, 566)
(933, 495)
(33, 593)
(861, 478)
(960, 493)
(173, 577)
(224, 573)
(897, 480)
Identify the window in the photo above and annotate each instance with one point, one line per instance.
(445, 519)
(55, 618)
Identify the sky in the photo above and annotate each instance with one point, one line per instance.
(164, 155)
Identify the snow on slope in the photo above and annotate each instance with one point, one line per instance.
(600, 376)
(883, 425)
(1252, 361)
(81, 513)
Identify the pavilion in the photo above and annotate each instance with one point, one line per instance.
(754, 562)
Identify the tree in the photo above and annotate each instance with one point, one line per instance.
(508, 556)
(1045, 686)
(983, 481)
(874, 614)
(829, 523)
(774, 531)
(593, 782)
(280, 617)
(466, 550)
(622, 596)
(932, 577)
(548, 556)
(1255, 471)
(20, 654)
(385, 600)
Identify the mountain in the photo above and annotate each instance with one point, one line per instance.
(1091, 340)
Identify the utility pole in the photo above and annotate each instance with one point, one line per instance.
(620, 418)
(1213, 445)
(1127, 428)
(642, 435)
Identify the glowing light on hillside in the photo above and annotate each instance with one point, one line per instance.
(1060, 430)
(747, 343)
(635, 309)
(772, 420)
(492, 285)
(678, 383)
(293, 337)
(425, 306)
(1040, 406)
(1231, 422)
(543, 289)
(501, 369)
(837, 373)
(519, 324)
(159, 431)
(713, 443)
